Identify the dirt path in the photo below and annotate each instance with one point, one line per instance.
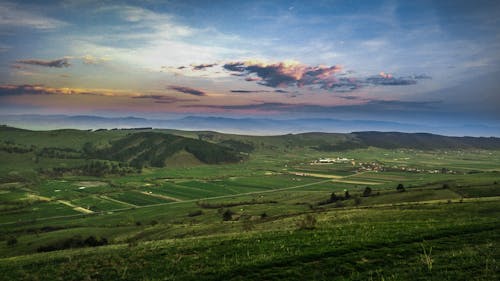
(316, 175)
(117, 201)
(357, 182)
(335, 178)
(75, 207)
(160, 196)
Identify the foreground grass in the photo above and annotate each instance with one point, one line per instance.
(424, 242)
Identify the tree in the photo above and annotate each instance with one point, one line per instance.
(333, 197)
(227, 215)
(400, 188)
(367, 192)
(347, 195)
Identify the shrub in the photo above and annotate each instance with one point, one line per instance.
(11, 241)
(400, 187)
(347, 195)
(308, 223)
(367, 192)
(227, 215)
(73, 242)
(195, 213)
(357, 201)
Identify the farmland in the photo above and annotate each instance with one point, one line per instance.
(269, 215)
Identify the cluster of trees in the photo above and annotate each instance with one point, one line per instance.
(74, 242)
(61, 153)
(152, 149)
(238, 145)
(207, 205)
(101, 168)
(95, 168)
(11, 147)
(334, 198)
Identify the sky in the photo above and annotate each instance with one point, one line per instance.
(422, 62)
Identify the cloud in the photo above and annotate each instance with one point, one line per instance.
(294, 74)
(284, 74)
(89, 59)
(258, 91)
(422, 76)
(26, 89)
(187, 90)
(15, 15)
(163, 98)
(58, 63)
(249, 91)
(203, 66)
(38, 89)
(387, 79)
(281, 91)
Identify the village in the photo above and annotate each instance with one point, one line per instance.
(376, 166)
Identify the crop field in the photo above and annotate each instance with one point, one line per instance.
(385, 215)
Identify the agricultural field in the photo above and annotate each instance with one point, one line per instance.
(271, 214)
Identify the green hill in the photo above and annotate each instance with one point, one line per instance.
(154, 149)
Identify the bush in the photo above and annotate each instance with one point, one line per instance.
(367, 192)
(11, 241)
(357, 201)
(227, 215)
(73, 242)
(308, 223)
(195, 213)
(400, 188)
(334, 198)
(347, 195)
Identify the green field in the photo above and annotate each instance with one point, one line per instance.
(269, 216)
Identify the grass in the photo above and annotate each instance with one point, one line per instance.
(379, 244)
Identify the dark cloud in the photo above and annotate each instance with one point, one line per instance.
(249, 91)
(203, 66)
(59, 63)
(258, 91)
(163, 98)
(187, 90)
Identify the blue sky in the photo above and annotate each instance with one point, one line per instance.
(412, 61)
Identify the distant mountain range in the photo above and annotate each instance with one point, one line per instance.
(247, 126)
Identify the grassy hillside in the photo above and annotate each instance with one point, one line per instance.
(191, 214)
(153, 149)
